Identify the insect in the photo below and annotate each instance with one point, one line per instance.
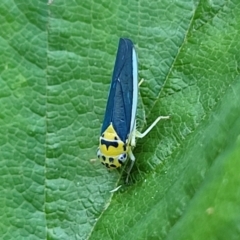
(118, 133)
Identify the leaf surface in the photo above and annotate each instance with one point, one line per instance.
(56, 65)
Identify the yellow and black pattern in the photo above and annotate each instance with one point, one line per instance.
(112, 150)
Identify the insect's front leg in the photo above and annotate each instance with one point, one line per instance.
(141, 81)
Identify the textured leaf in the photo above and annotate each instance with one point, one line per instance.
(56, 64)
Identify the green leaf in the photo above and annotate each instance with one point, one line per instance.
(56, 64)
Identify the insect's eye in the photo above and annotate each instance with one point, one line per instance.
(122, 158)
(98, 153)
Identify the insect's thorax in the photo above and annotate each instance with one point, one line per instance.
(112, 150)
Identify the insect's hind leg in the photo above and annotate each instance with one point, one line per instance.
(141, 135)
(135, 134)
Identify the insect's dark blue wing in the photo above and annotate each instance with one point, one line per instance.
(120, 99)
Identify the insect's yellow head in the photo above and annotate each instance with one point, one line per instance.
(112, 151)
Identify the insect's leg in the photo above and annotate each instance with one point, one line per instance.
(132, 158)
(141, 135)
(141, 81)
